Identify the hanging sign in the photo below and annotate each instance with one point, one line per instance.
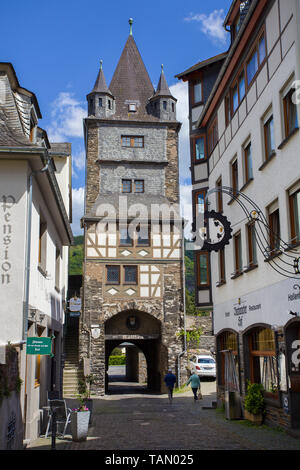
(42, 345)
(75, 304)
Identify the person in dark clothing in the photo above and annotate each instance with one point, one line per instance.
(170, 380)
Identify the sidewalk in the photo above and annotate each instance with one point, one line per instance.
(149, 422)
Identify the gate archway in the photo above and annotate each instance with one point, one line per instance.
(143, 331)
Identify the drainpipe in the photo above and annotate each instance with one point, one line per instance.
(28, 249)
(184, 308)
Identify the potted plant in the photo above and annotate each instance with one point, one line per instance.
(80, 422)
(254, 405)
(84, 387)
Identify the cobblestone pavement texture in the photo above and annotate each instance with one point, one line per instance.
(139, 421)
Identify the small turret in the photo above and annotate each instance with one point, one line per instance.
(101, 102)
(162, 104)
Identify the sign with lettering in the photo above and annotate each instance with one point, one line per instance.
(75, 304)
(7, 204)
(42, 345)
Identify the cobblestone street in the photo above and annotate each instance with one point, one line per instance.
(148, 422)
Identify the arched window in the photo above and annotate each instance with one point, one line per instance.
(262, 359)
(226, 341)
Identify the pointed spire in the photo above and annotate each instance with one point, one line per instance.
(131, 82)
(162, 87)
(100, 84)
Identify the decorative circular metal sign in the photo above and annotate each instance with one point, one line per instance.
(132, 322)
(218, 231)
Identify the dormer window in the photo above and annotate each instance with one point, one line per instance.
(197, 92)
(132, 107)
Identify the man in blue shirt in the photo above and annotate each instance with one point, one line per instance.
(170, 380)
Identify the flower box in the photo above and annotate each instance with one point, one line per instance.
(80, 425)
(255, 419)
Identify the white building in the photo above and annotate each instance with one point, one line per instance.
(250, 123)
(35, 215)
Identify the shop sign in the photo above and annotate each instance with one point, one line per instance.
(41, 345)
(75, 304)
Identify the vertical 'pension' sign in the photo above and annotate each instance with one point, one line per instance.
(38, 345)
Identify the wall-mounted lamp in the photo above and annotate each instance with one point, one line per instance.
(32, 314)
(42, 316)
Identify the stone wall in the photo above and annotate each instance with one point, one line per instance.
(92, 168)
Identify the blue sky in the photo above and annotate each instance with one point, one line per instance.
(55, 48)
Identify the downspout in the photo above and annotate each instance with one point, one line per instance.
(28, 249)
(184, 309)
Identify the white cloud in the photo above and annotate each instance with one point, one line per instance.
(78, 161)
(180, 92)
(211, 25)
(77, 210)
(66, 118)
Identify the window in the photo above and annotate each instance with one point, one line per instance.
(294, 202)
(197, 92)
(234, 177)
(125, 238)
(269, 138)
(274, 223)
(100, 102)
(241, 87)
(290, 113)
(252, 254)
(57, 268)
(262, 352)
(109, 104)
(202, 269)
(42, 244)
(143, 236)
(113, 274)
(256, 59)
(199, 149)
(238, 263)
(212, 136)
(164, 105)
(132, 107)
(235, 99)
(227, 110)
(132, 141)
(222, 276)
(262, 49)
(252, 67)
(237, 94)
(248, 163)
(219, 195)
(200, 202)
(139, 186)
(130, 274)
(126, 186)
(173, 107)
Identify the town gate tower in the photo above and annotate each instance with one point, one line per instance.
(133, 264)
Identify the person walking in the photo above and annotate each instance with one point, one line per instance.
(194, 380)
(170, 380)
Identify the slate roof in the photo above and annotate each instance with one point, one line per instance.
(131, 83)
(162, 87)
(100, 84)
